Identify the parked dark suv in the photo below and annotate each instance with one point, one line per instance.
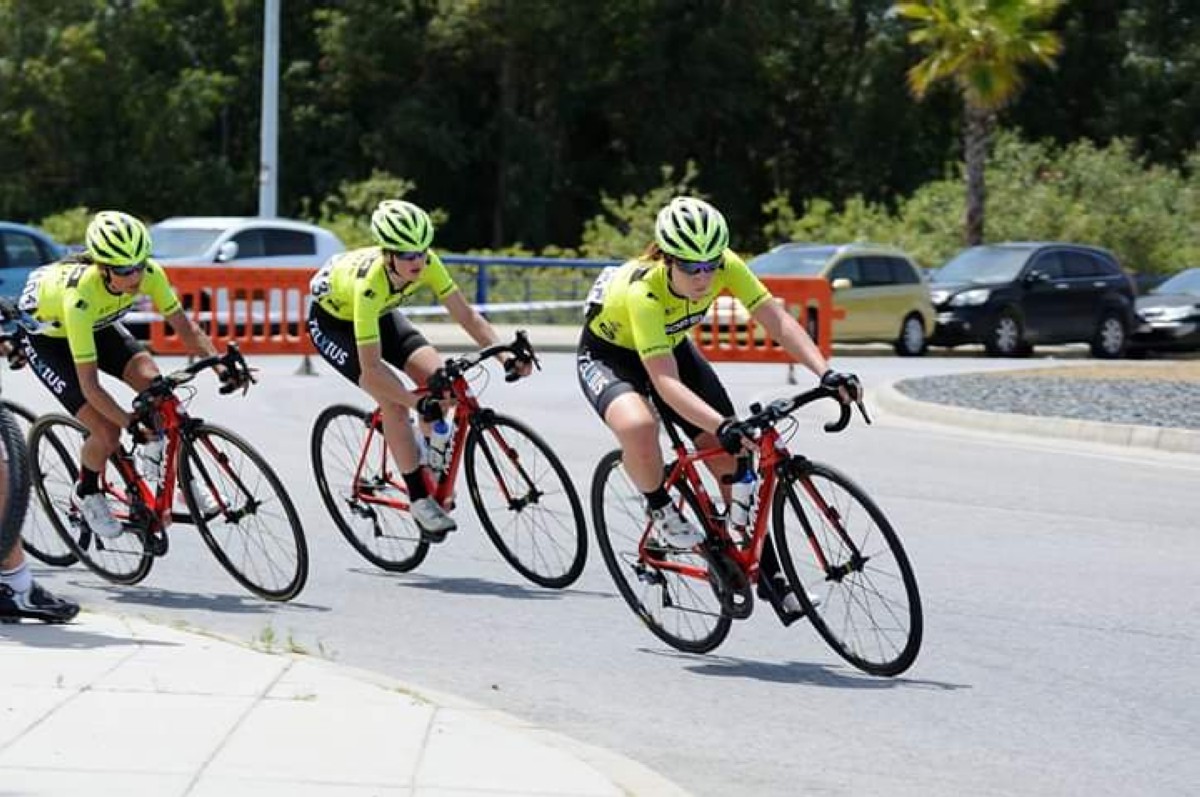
(1011, 296)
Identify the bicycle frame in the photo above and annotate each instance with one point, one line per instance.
(773, 455)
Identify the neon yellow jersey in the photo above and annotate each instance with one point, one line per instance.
(354, 286)
(72, 301)
(639, 311)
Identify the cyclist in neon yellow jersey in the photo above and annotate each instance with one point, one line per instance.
(80, 302)
(356, 327)
(635, 346)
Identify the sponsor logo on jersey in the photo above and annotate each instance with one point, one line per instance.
(684, 324)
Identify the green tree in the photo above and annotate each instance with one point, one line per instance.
(980, 46)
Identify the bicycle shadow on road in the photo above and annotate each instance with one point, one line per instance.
(196, 601)
(835, 676)
(479, 586)
(68, 637)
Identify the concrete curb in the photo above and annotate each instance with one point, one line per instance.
(1183, 441)
(631, 776)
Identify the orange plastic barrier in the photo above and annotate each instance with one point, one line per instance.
(730, 335)
(263, 309)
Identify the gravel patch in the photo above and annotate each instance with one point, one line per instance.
(1125, 397)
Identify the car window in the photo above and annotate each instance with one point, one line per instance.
(847, 269)
(250, 244)
(1050, 264)
(177, 242)
(21, 251)
(902, 272)
(875, 271)
(1080, 265)
(281, 243)
(791, 262)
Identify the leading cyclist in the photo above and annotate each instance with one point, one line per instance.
(356, 326)
(79, 303)
(635, 345)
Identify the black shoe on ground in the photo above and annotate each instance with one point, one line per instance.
(36, 604)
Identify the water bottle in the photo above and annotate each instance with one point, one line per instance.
(439, 445)
(741, 499)
(151, 456)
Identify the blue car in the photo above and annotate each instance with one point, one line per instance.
(22, 249)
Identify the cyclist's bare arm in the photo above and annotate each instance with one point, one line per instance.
(380, 381)
(99, 398)
(478, 327)
(793, 337)
(196, 341)
(664, 374)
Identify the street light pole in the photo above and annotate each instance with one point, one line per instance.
(268, 169)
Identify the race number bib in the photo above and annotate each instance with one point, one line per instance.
(595, 297)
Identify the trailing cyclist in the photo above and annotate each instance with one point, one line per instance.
(356, 326)
(79, 303)
(635, 347)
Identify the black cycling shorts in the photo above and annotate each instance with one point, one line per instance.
(334, 339)
(50, 359)
(606, 371)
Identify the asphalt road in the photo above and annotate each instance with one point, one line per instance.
(1060, 587)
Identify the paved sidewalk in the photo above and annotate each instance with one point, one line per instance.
(119, 706)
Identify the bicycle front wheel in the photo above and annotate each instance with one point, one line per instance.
(14, 481)
(38, 537)
(243, 513)
(357, 484)
(836, 544)
(54, 445)
(682, 610)
(526, 501)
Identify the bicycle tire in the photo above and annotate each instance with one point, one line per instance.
(618, 511)
(274, 561)
(496, 455)
(14, 481)
(53, 460)
(388, 539)
(38, 535)
(850, 592)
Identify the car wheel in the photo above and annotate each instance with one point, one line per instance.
(912, 341)
(1006, 337)
(1111, 337)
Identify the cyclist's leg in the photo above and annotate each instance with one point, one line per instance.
(698, 374)
(21, 596)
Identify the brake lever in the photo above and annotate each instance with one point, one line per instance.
(862, 409)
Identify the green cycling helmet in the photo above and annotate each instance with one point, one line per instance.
(691, 229)
(402, 226)
(117, 239)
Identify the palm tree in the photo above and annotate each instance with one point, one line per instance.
(981, 46)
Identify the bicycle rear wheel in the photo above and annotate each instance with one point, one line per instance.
(834, 542)
(54, 445)
(14, 481)
(526, 501)
(683, 611)
(348, 474)
(38, 537)
(251, 525)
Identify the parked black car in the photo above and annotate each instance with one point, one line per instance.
(1012, 296)
(1168, 318)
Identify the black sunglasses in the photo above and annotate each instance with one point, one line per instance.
(694, 267)
(127, 271)
(408, 255)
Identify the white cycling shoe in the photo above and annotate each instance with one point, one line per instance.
(96, 514)
(673, 530)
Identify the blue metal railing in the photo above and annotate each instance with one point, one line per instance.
(527, 280)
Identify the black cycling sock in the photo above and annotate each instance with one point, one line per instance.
(415, 482)
(657, 499)
(89, 481)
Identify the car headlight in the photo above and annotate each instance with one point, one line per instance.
(937, 297)
(971, 298)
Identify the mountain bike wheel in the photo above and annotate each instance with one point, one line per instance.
(526, 501)
(386, 537)
(54, 445)
(38, 537)
(14, 481)
(251, 525)
(683, 611)
(834, 542)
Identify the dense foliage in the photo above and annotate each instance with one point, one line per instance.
(535, 124)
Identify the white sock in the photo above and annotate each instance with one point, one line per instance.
(20, 579)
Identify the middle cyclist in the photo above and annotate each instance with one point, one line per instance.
(356, 327)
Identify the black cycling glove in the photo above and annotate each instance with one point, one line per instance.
(731, 433)
(429, 408)
(835, 380)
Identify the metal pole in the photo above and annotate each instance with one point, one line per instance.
(268, 170)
